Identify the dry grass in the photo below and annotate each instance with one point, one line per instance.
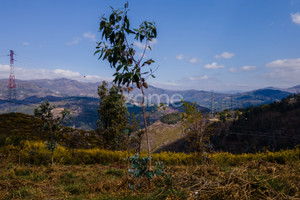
(162, 134)
(252, 180)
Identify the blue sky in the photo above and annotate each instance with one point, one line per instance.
(202, 44)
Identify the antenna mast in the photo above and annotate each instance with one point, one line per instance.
(12, 83)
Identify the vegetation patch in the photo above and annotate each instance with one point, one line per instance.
(171, 118)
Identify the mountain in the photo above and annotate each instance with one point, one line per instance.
(48, 87)
(82, 99)
(258, 97)
(65, 88)
(295, 89)
(84, 110)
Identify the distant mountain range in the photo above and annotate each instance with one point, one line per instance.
(66, 88)
(82, 99)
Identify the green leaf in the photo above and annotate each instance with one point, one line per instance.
(119, 67)
(136, 78)
(150, 174)
(154, 32)
(112, 18)
(141, 38)
(96, 52)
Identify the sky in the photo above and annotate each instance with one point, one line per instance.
(220, 45)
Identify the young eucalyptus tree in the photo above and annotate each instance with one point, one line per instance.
(117, 47)
(51, 122)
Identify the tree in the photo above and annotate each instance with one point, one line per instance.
(117, 48)
(113, 116)
(195, 127)
(51, 122)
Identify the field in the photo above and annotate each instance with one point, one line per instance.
(268, 175)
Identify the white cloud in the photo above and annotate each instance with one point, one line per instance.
(225, 55)
(25, 43)
(180, 57)
(4, 68)
(233, 69)
(142, 45)
(30, 74)
(90, 36)
(153, 41)
(195, 60)
(197, 78)
(213, 65)
(162, 84)
(139, 45)
(66, 73)
(285, 63)
(287, 70)
(296, 18)
(244, 68)
(92, 77)
(248, 68)
(75, 41)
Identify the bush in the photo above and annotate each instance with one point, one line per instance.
(171, 118)
(34, 152)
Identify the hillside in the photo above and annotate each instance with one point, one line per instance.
(274, 126)
(162, 134)
(19, 126)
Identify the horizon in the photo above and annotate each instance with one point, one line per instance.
(215, 91)
(201, 45)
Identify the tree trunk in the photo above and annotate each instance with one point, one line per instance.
(51, 157)
(20, 157)
(52, 148)
(146, 127)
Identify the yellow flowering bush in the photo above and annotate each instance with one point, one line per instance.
(282, 157)
(35, 152)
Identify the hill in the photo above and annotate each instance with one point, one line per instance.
(274, 126)
(19, 126)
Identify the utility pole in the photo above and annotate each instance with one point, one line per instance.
(231, 103)
(12, 94)
(231, 107)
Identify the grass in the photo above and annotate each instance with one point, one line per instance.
(255, 179)
(162, 134)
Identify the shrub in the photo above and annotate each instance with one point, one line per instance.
(115, 172)
(34, 152)
(171, 118)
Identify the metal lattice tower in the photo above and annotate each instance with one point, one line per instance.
(12, 94)
(231, 102)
